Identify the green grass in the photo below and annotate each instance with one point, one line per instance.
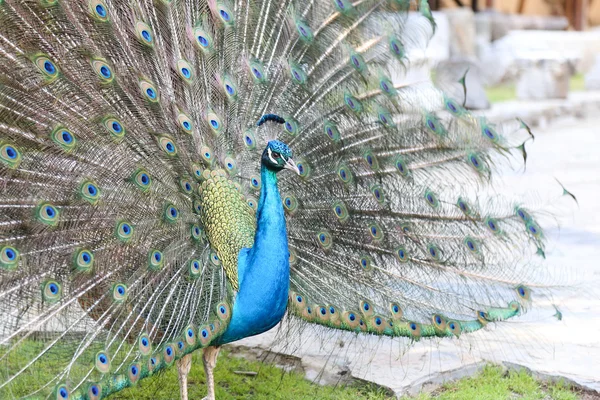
(271, 382)
(497, 94)
(492, 383)
(508, 92)
(577, 83)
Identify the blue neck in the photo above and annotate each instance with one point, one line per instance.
(263, 270)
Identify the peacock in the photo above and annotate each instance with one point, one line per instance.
(176, 175)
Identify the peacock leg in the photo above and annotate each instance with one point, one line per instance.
(209, 357)
(183, 367)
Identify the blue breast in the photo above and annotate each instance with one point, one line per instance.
(263, 270)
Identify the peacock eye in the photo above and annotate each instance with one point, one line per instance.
(276, 155)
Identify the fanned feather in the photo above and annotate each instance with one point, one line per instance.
(118, 117)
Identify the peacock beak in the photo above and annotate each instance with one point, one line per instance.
(291, 165)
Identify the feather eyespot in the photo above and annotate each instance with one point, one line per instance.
(144, 33)
(9, 257)
(387, 87)
(452, 106)
(83, 260)
(522, 214)
(47, 214)
(46, 66)
(203, 41)
(214, 259)
(185, 123)
(472, 245)
(255, 182)
(171, 213)
(94, 391)
(345, 174)
(431, 199)
(366, 308)
(62, 392)
(290, 203)
(291, 126)
(332, 131)
(196, 232)
(376, 231)
(492, 225)
(102, 363)
(358, 62)
(371, 160)
(378, 193)
(197, 206)
(464, 206)
(401, 254)
(396, 311)
(155, 260)
(353, 103)
(402, 166)
(144, 344)
(258, 72)
(194, 268)
(168, 145)
(297, 74)
(324, 239)
(223, 311)
(64, 138)
(204, 334)
(225, 14)
(249, 140)
(524, 293)
(186, 185)
(90, 192)
(149, 91)
(534, 229)
(306, 34)
(169, 354)
(489, 132)
(439, 322)
(230, 165)
(185, 70)
(397, 48)
(434, 252)
(98, 10)
(206, 154)
(103, 70)
(114, 128)
(303, 168)
(434, 125)
(190, 333)
(51, 291)
(119, 293)
(10, 156)
(142, 179)
(341, 211)
(366, 263)
(385, 117)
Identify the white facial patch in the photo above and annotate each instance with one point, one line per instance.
(271, 156)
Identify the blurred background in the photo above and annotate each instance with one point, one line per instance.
(517, 49)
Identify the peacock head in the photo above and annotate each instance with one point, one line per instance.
(278, 156)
